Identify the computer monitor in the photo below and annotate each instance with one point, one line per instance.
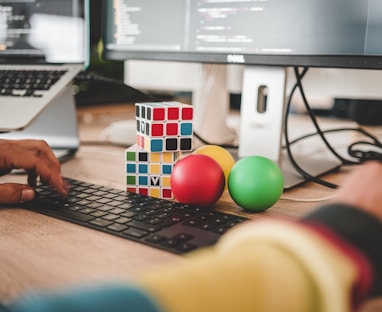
(266, 36)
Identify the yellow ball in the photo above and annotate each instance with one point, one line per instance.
(220, 155)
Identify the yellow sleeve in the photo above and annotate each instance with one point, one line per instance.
(259, 266)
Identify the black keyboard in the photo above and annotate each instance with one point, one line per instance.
(27, 82)
(160, 223)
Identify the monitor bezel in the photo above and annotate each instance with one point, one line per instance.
(324, 61)
(349, 61)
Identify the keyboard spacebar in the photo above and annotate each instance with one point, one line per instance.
(65, 213)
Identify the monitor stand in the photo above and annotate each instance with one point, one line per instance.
(210, 99)
(56, 124)
(262, 125)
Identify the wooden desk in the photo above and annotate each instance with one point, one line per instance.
(40, 252)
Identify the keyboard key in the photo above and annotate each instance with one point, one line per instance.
(155, 238)
(183, 236)
(135, 232)
(68, 214)
(110, 217)
(100, 222)
(117, 227)
(27, 83)
(171, 242)
(99, 213)
(144, 226)
(122, 220)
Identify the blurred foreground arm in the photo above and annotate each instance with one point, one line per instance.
(38, 161)
(329, 261)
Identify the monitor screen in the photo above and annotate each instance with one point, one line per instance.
(50, 31)
(265, 36)
(320, 33)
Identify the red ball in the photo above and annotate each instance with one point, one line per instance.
(197, 179)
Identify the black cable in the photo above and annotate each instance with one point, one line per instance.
(360, 155)
(363, 131)
(92, 76)
(314, 120)
(365, 155)
(88, 75)
(302, 172)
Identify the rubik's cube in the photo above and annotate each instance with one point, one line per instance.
(149, 173)
(164, 126)
(164, 131)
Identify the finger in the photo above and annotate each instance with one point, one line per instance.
(47, 167)
(32, 181)
(13, 193)
(34, 156)
(32, 178)
(39, 160)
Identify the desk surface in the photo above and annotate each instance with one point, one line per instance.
(39, 252)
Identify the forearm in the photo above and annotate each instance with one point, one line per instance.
(261, 278)
(359, 230)
(270, 266)
(265, 266)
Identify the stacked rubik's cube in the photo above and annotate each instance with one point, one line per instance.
(164, 131)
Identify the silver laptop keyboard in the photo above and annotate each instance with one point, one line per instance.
(28, 83)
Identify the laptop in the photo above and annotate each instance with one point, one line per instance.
(43, 46)
(35, 37)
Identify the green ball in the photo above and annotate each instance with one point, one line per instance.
(255, 183)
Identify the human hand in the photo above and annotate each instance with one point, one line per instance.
(37, 159)
(363, 189)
